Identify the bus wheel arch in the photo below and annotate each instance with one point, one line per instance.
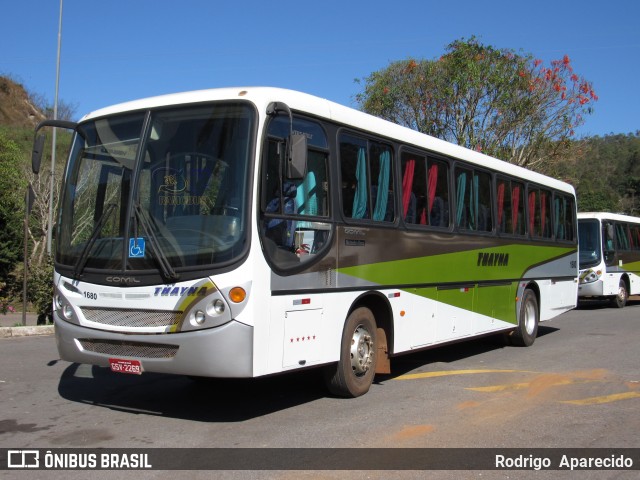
(526, 331)
(620, 299)
(363, 349)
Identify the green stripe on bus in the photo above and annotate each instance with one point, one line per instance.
(496, 301)
(505, 262)
(472, 267)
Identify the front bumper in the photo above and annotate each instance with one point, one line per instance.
(225, 351)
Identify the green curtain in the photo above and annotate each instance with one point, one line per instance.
(382, 196)
(462, 186)
(360, 197)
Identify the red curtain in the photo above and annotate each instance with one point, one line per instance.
(515, 205)
(532, 212)
(407, 185)
(432, 182)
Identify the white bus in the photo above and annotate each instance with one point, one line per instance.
(243, 232)
(609, 256)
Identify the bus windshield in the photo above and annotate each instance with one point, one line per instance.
(589, 243)
(164, 190)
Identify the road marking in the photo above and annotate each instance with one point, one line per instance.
(446, 373)
(520, 386)
(604, 399)
(500, 388)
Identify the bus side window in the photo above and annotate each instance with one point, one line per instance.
(463, 196)
(414, 186)
(367, 179)
(438, 190)
(381, 182)
(563, 218)
(621, 236)
(608, 245)
(473, 200)
(483, 198)
(355, 180)
(295, 211)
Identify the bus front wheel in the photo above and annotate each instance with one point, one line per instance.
(527, 330)
(353, 374)
(620, 300)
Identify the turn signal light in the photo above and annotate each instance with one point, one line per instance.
(237, 294)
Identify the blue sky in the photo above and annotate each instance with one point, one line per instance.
(119, 50)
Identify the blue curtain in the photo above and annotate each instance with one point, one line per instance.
(360, 198)
(382, 196)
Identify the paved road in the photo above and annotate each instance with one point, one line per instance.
(577, 386)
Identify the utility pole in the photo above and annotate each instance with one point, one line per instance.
(53, 144)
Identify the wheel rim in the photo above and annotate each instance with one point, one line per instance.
(361, 351)
(530, 317)
(622, 293)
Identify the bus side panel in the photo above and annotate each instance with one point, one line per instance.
(631, 265)
(557, 281)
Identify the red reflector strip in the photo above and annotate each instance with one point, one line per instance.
(394, 295)
(302, 301)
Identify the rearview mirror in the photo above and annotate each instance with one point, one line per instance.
(36, 153)
(609, 232)
(297, 156)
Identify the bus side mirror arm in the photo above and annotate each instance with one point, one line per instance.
(39, 139)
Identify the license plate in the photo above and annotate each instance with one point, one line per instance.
(125, 366)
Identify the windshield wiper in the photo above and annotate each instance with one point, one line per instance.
(84, 256)
(156, 249)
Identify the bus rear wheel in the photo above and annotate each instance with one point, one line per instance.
(353, 374)
(527, 330)
(620, 300)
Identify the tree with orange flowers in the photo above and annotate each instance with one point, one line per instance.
(504, 104)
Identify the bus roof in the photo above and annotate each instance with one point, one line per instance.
(608, 216)
(322, 108)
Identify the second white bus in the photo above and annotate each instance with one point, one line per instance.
(609, 246)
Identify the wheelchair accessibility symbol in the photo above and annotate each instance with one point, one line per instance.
(136, 247)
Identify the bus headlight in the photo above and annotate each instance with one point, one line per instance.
(217, 307)
(62, 306)
(67, 311)
(58, 303)
(199, 317)
(590, 276)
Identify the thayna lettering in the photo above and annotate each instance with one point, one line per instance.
(180, 291)
(493, 259)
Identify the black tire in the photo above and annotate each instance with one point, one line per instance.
(620, 300)
(527, 331)
(353, 374)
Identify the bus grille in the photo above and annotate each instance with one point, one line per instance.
(132, 318)
(128, 349)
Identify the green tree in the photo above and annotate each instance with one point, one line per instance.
(12, 194)
(492, 100)
(607, 174)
